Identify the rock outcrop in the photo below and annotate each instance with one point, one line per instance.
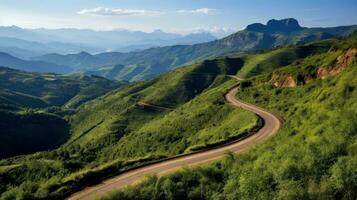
(275, 26)
(283, 81)
(341, 63)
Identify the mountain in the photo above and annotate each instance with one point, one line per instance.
(152, 62)
(276, 26)
(67, 41)
(19, 53)
(311, 86)
(31, 66)
(189, 39)
(25, 49)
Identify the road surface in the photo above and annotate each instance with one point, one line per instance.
(271, 126)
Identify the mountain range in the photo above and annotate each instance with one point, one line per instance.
(32, 66)
(66, 41)
(148, 63)
(151, 62)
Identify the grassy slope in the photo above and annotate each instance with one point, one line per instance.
(117, 131)
(270, 60)
(312, 157)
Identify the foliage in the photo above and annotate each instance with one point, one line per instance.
(140, 123)
(312, 157)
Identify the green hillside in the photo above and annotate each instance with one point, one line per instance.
(312, 157)
(32, 107)
(174, 114)
(35, 90)
(184, 110)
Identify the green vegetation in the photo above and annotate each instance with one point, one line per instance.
(33, 107)
(268, 61)
(312, 157)
(29, 132)
(173, 114)
(34, 90)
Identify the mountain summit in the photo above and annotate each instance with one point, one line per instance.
(276, 26)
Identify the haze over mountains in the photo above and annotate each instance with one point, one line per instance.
(41, 41)
(151, 62)
(37, 66)
(148, 63)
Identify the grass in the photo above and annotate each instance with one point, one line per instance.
(312, 157)
(114, 132)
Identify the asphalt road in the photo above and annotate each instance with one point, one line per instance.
(271, 126)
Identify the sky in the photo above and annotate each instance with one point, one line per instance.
(181, 16)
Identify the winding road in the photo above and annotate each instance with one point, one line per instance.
(272, 123)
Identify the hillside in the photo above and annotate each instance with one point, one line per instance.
(35, 90)
(184, 110)
(120, 129)
(32, 106)
(312, 157)
(152, 62)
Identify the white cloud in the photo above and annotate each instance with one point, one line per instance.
(119, 12)
(205, 11)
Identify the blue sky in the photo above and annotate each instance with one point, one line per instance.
(172, 15)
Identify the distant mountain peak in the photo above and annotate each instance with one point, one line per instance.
(158, 31)
(274, 26)
(84, 53)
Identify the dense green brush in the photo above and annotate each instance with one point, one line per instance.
(312, 157)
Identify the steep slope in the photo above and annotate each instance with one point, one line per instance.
(31, 66)
(313, 156)
(162, 59)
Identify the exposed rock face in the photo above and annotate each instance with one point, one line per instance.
(341, 63)
(283, 81)
(275, 26)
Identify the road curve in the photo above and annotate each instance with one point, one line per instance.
(271, 125)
